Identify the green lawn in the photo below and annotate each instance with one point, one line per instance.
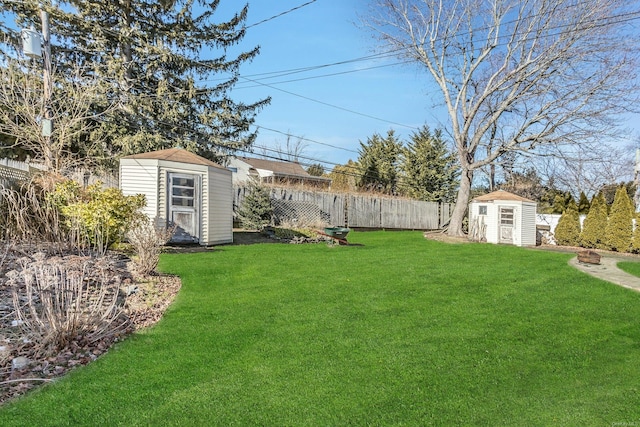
(397, 331)
(630, 267)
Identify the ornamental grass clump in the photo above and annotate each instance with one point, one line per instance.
(147, 240)
(28, 215)
(59, 300)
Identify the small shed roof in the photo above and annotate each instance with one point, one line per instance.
(501, 195)
(179, 155)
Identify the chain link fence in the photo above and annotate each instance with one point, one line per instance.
(302, 213)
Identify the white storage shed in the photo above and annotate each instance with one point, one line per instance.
(503, 217)
(184, 189)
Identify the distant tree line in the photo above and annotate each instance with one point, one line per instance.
(423, 168)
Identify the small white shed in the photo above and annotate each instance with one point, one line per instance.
(503, 217)
(184, 189)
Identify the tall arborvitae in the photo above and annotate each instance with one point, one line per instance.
(619, 228)
(165, 65)
(567, 232)
(583, 204)
(595, 223)
(429, 168)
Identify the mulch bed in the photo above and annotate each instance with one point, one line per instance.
(22, 363)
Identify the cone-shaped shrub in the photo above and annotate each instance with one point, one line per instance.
(635, 240)
(567, 232)
(595, 223)
(256, 210)
(583, 204)
(619, 228)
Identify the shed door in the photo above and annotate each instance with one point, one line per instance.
(507, 224)
(183, 204)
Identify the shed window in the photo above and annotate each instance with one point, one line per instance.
(482, 210)
(182, 191)
(506, 216)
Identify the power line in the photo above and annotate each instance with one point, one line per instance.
(280, 14)
(329, 105)
(305, 139)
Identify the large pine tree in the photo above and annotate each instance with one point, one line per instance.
(378, 163)
(149, 56)
(429, 168)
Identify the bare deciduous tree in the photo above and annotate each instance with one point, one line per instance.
(517, 75)
(22, 109)
(587, 170)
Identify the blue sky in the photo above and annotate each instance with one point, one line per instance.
(326, 32)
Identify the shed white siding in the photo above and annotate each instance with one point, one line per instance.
(140, 176)
(219, 202)
(214, 199)
(486, 222)
(528, 228)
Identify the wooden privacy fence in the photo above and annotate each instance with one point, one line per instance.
(357, 211)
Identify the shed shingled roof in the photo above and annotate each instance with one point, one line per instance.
(179, 155)
(501, 195)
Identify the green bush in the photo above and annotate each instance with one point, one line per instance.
(567, 232)
(583, 204)
(619, 228)
(99, 217)
(595, 223)
(256, 210)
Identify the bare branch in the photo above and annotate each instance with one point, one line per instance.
(519, 75)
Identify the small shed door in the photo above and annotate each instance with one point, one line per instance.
(184, 204)
(507, 224)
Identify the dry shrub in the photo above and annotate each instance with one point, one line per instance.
(28, 215)
(58, 300)
(147, 240)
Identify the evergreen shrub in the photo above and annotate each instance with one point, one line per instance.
(619, 230)
(256, 210)
(595, 223)
(567, 232)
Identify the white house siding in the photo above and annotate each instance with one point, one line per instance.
(242, 170)
(140, 176)
(219, 202)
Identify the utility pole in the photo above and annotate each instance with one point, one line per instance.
(32, 46)
(47, 121)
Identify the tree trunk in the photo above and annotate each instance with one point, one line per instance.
(462, 202)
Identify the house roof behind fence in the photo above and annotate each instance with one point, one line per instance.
(292, 169)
